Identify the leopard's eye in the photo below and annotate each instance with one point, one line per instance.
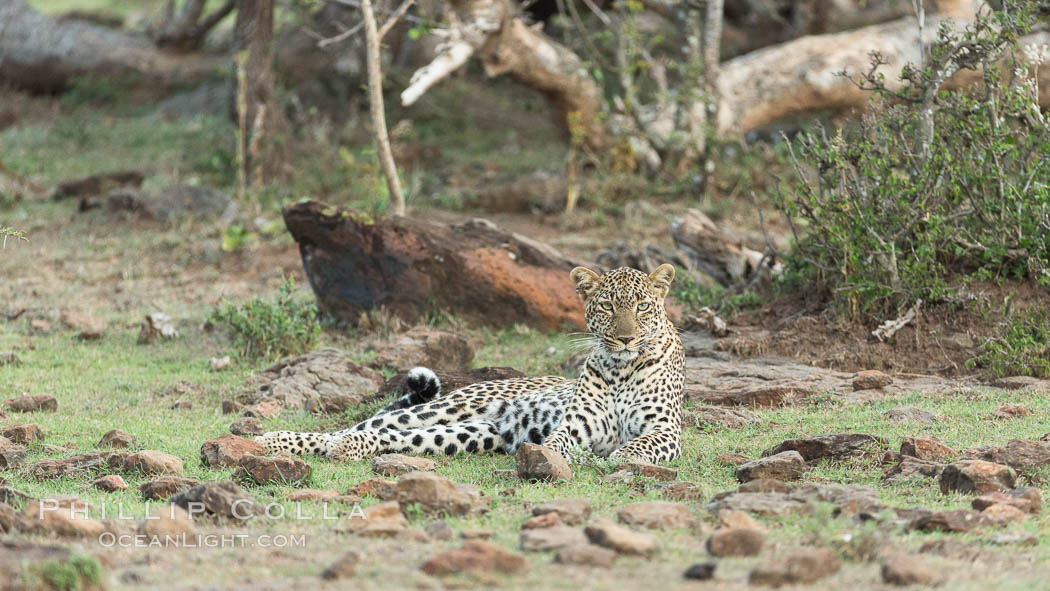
(642, 307)
(607, 306)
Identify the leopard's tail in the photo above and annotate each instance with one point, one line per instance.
(421, 385)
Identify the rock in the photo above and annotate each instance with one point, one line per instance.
(97, 184)
(701, 571)
(322, 496)
(11, 496)
(730, 418)
(47, 517)
(12, 455)
(166, 486)
(650, 470)
(871, 379)
(976, 476)
(9, 519)
(1011, 411)
(226, 451)
(682, 491)
(730, 459)
(1027, 499)
(764, 485)
(585, 555)
(536, 462)
(486, 274)
(428, 347)
(383, 520)
(787, 465)
(901, 569)
(1004, 514)
(622, 539)
(222, 499)
(152, 462)
(736, 541)
(375, 487)
(450, 380)
(397, 464)
(219, 363)
(570, 511)
(959, 521)
(1021, 383)
(804, 566)
(551, 538)
(232, 406)
(737, 519)
(850, 500)
(475, 557)
(764, 397)
(836, 447)
(926, 448)
(656, 515)
(109, 483)
(170, 520)
(542, 521)
(342, 568)
(440, 530)
(247, 427)
(1019, 454)
(326, 380)
(117, 439)
(1014, 538)
(476, 534)
(57, 468)
(22, 433)
(760, 504)
(911, 467)
(910, 413)
(175, 203)
(28, 403)
(157, 325)
(277, 470)
(618, 477)
(88, 327)
(436, 494)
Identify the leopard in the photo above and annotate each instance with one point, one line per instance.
(626, 403)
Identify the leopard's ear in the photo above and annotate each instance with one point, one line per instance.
(661, 279)
(586, 281)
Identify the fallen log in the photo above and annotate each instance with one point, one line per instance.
(412, 267)
(713, 252)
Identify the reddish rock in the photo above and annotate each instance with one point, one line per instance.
(223, 499)
(88, 327)
(321, 496)
(56, 468)
(30, 403)
(729, 418)
(109, 483)
(926, 448)
(648, 470)
(1026, 499)
(730, 459)
(764, 485)
(226, 451)
(152, 462)
(12, 455)
(620, 538)
(911, 467)
(383, 520)
(586, 555)
(871, 379)
(542, 521)
(22, 433)
(266, 409)
(1004, 514)
(838, 446)
(279, 470)
(570, 511)
(536, 462)
(170, 520)
(551, 538)
(771, 397)
(737, 519)
(803, 566)
(374, 487)
(737, 541)
(246, 427)
(787, 465)
(959, 521)
(163, 488)
(66, 520)
(427, 347)
(656, 515)
(1019, 454)
(976, 476)
(1012, 411)
(475, 557)
(342, 568)
(116, 438)
(440, 530)
(901, 569)
(436, 494)
(398, 464)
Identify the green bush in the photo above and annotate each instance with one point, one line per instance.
(288, 325)
(693, 296)
(1022, 347)
(932, 189)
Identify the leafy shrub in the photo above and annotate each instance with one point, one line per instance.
(288, 325)
(693, 296)
(933, 188)
(1022, 348)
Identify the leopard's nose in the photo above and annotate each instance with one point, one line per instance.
(625, 340)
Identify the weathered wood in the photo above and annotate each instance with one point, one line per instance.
(713, 252)
(412, 267)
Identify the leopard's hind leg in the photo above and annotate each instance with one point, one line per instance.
(480, 436)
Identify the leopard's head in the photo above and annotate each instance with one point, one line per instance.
(624, 307)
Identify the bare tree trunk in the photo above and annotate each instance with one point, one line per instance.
(262, 126)
(375, 88)
(185, 30)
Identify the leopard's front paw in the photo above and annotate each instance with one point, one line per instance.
(352, 447)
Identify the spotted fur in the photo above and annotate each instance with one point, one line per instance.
(627, 403)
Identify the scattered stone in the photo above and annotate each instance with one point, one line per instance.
(911, 467)
(382, 520)
(45, 517)
(476, 534)
(226, 451)
(1012, 411)
(1027, 499)
(542, 521)
(440, 530)
(648, 470)
(682, 491)
(97, 184)
(805, 566)
(702, 571)
(110, 483)
(760, 504)
(278, 470)
(342, 568)
(618, 477)
(397, 464)
(901, 569)
(40, 325)
(170, 520)
(976, 476)
(231, 406)
(247, 427)
(729, 418)
(436, 494)
(871, 379)
(88, 327)
(910, 413)
(219, 363)
(50, 469)
(22, 433)
(787, 465)
(959, 521)
(223, 499)
(326, 380)
(163, 488)
(585, 555)
(952, 548)
(850, 500)
(736, 541)
(153, 462)
(117, 439)
(926, 448)
(413, 534)
(375, 487)
(12, 455)
(12, 496)
(267, 409)
(1004, 514)
(730, 459)
(656, 515)
(536, 462)
(570, 511)
(551, 538)
(738, 520)
(30, 403)
(1019, 454)
(1014, 538)
(475, 557)
(427, 347)
(8, 519)
(621, 538)
(838, 446)
(1021, 383)
(764, 485)
(322, 496)
(157, 325)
